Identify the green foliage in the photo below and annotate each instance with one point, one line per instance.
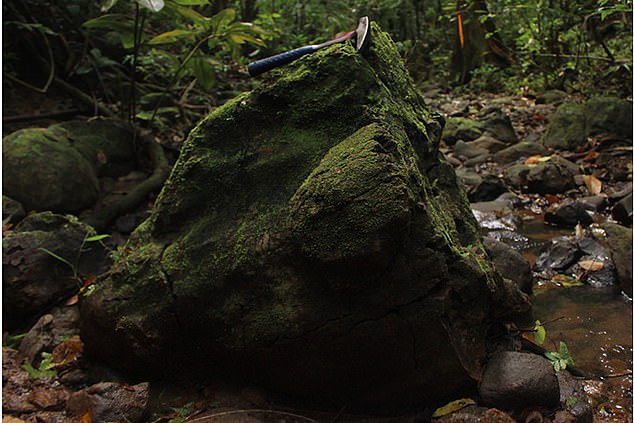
(45, 369)
(560, 359)
(540, 333)
(74, 265)
(13, 341)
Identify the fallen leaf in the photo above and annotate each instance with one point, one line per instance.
(89, 281)
(578, 231)
(552, 199)
(594, 185)
(86, 418)
(532, 160)
(72, 300)
(453, 406)
(591, 155)
(591, 265)
(67, 351)
(566, 281)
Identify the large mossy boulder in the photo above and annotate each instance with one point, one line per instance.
(572, 123)
(310, 239)
(56, 168)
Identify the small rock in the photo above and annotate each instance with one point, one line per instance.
(38, 339)
(623, 192)
(568, 214)
(108, 401)
(518, 151)
(566, 129)
(468, 150)
(551, 97)
(592, 203)
(459, 128)
(560, 254)
(489, 143)
(497, 124)
(511, 264)
(12, 210)
(553, 176)
(573, 400)
(619, 240)
(490, 188)
(474, 414)
(514, 380)
(622, 210)
(482, 158)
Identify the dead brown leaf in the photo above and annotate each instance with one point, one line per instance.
(591, 265)
(594, 185)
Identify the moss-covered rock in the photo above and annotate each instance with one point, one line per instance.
(572, 123)
(312, 239)
(42, 260)
(43, 171)
(459, 128)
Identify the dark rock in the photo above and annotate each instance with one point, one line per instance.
(573, 399)
(521, 150)
(572, 123)
(560, 254)
(551, 97)
(497, 124)
(568, 214)
(511, 264)
(619, 240)
(622, 210)
(489, 144)
(593, 203)
(621, 193)
(468, 150)
(39, 338)
(459, 128)
(311, 240)
(108, 144)
(549, 177)
(50, 330)
(108, 402)
(490, 188)
(514, 381)
(12, 211)
(44, 172)
(34, 279)
(482, 158)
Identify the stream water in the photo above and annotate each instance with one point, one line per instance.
(594, 322)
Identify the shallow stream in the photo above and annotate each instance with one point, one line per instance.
(594, 322)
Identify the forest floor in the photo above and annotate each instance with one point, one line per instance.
(41, 399)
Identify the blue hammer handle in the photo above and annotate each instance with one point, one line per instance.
(269, 63)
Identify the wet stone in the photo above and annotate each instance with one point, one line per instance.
(515, 381)
(497, 124)
(622, 211)
(511, 264)
(568, 214)
(619, 239)
(559, 255)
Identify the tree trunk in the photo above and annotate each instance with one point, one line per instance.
(476, 40)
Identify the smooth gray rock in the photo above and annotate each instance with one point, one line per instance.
(521, 150)
(516, 381)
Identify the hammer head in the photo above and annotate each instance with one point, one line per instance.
(363, 34)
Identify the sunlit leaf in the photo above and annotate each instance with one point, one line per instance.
(453, 406)
(107, 5)
(96, 238)
(591, 265)
(222, 19)
(86, 418)
(171, 36)
(540, 333)
(186, 12)
(566, 281)
(594, 185)
(244, 38)
(153, 5)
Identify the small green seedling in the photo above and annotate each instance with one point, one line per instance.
(562, 359)
(540, 333)
(45, 369)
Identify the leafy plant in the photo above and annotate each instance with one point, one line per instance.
(560, 359)
(13, 341)
(74, 265)
(45, 369)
